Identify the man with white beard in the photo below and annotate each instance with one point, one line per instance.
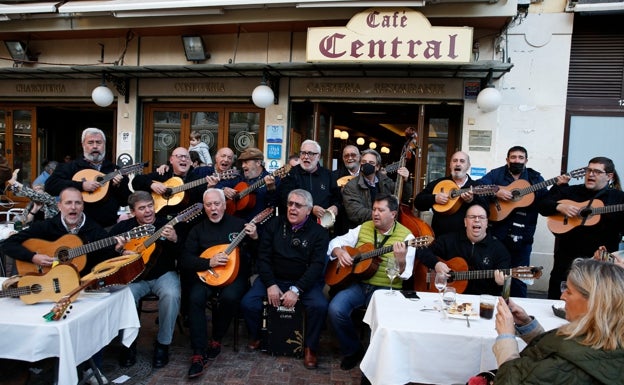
(103, 211)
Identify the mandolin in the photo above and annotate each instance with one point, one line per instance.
(523, 194)
(226, 274)
(69, 248)
(176, 187)
(243, 200)
(450, 188)
(115, 271)
(103, 179)
(366, 260)
(51, 286)
(460, 275)
(589, 215)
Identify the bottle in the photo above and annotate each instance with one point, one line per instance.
(621, 245)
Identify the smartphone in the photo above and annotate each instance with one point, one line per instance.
(410, 294)
(507, 288)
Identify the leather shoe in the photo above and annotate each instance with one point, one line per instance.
(253, 345)
(349, 362)
(127, 358)
(161, 355)
(309, 360)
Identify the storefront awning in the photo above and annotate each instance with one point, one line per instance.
(476, 70)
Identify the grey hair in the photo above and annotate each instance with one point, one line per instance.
(92, 131)
(314, 143)
(215, 190)
(377, 155)
(304, 194)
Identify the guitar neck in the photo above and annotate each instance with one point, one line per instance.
(241, 235)
(186, 186)
(376, 252)
(476, 274)
(538, 186)
(259, 183)
(96, 245)
(476, 190)
(16, 292)
(154, 237)
(393, 167)
(607, 209)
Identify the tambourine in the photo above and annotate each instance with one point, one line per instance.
(328, 219)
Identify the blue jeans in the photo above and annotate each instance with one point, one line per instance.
(313, 301)
(340, 308)
(167, 288)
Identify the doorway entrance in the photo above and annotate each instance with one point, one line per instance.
(381, 126)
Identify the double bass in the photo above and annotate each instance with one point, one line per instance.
(417, 226)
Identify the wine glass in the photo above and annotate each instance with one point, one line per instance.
(392, 271)
(449, 296)
(440, 282)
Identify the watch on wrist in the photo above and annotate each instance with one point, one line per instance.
(294, 289)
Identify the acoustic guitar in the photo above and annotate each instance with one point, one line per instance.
(176, 187)
(523, 194)
(450, 188)
(226, 274)
(146, 245)
(589, 215)
(51, 286)
(69, 248)
(112, 272)
(103, 179)
(424, 278)
(366, 260)
(389, 169)
(243, 199)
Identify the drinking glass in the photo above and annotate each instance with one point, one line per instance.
(392, 271)
(440, 282)
(449, 296)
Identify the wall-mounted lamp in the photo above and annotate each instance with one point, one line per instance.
(337, 133)
(344, 135)
(372, 145)
(489, 99)
(266, 93)
(194, 48)
(360, 141)
(19, 51)
(384, 150)
(103, 96)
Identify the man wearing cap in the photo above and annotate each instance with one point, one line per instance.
(252, 164)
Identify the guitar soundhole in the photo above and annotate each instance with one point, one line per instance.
(99, 179)
(35, 289)
(167, 193)
(515, 195)
(63, 256)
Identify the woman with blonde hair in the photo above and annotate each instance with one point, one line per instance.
(587, 350)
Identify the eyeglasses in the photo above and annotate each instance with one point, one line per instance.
(475, 217)
(182, 156)
(297, 205)
(563, 286)
(309, 154)
(350, 155)
(594, 171)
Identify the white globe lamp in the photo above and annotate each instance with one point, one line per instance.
(262, 96)
(102, 96)
(489, 99)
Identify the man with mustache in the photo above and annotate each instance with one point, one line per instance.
(480, 250)
(601, 183)
(105, 210)
(444, 222)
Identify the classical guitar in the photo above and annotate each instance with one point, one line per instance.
(103, 179)
(112, 272)
(589, 215)
(523, 194)
(69, 248)
(244, 199)
(51, 286)
(176, 187)
(450, 188)
(146, 245)
(366, 260)
(460, 275)
(226, 274)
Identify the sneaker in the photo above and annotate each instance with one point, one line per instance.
(214, 348)
(92, 380)
(198, 364)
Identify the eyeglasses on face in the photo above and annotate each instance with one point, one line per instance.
(308, 154)
(475, 217)
(182, 156)
(297, 205)
(563, 286)
(351, 155)
(594, 171)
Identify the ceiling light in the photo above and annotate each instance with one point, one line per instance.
(360, 141)
(372, 145)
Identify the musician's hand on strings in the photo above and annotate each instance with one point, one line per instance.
(42, 260)
(569, 211)
(213, 180)
(158, 188)
(269, 180)
(404, 172)
(343, 256)
(598, 253)
(169, 233)
(399, 249)
(162, 169)
(219, 259)
(442, 267)
(117, 180)
(251, 230)
(90, 185)
(504, 194)
(563, 179)
(441, 198)
(121, 243)
(499, 277)
(467, 196)
(273, 295)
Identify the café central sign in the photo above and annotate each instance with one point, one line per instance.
(389, 36)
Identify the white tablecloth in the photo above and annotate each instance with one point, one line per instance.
(410, 345)
(92, 323)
